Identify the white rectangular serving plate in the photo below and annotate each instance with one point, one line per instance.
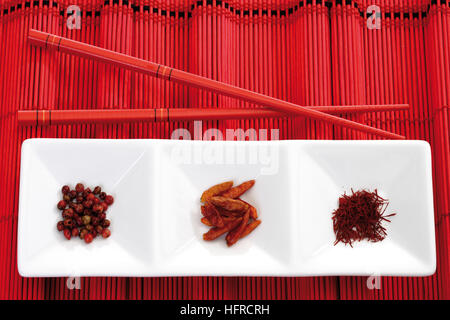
(155, 219)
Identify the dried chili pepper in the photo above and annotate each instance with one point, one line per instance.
(215, 190)
(213, 215)
(229, 204)
(253, 211)
(249, 228)
(206, 222)
(216, 232)
(239, 190)
(234, 235)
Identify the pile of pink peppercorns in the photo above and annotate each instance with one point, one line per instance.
(84, 213)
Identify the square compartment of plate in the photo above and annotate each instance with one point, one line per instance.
(189, 168)
(121, 168)
(401, 172)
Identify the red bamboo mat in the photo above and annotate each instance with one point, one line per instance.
(312, 52)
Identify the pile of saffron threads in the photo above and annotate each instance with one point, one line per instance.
(360, 216)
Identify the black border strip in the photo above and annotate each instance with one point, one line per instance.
(219, 3)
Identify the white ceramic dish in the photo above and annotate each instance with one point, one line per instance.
(156, 229)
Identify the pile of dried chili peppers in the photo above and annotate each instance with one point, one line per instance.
(225, 212)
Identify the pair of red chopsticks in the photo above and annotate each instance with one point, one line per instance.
(280, 108)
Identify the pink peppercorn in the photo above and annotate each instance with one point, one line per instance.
(106, 233)
(61, 205)
(90, 196)
(60, 225)
(79, 188)
(65, 189)
(88, 238)
(75, 232)
(67, 234)
(87, 203)
(109, 199)
(104, 205)
(97, 208)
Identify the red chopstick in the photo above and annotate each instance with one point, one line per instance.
(164, 72)
(54, 117)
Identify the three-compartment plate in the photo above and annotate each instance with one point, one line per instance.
(155, 220)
